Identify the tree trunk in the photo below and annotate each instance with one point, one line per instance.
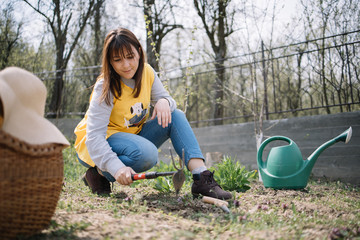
(220, 53)
(151, 43)
(219, 93)
(56, 96)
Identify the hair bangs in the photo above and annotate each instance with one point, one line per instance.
(120, 48)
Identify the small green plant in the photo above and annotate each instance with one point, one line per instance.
(232, 176)
(162, 184)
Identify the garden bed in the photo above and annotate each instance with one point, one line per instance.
(323, 210)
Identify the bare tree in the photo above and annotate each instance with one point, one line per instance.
(318, 16)
(160, 21)
(87, 60)
(9, 35)
(218, 24)
(66, 21)
(89, 50)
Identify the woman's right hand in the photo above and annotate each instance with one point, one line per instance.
(123, 175)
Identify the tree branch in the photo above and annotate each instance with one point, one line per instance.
(82, 27)
(201, 13)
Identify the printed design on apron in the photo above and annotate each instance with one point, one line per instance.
(139, 115)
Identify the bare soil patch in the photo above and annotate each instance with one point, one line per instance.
(320, 211)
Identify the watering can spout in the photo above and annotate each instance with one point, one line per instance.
(343, 137)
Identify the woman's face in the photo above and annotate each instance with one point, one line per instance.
(126, 66)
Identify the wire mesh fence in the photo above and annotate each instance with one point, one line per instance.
(318, 76)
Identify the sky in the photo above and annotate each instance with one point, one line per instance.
(124, 14)
(34, 23)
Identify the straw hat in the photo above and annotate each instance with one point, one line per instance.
(22, 104)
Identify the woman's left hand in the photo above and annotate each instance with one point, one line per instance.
(162, 112)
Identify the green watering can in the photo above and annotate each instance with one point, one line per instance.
(285, 168)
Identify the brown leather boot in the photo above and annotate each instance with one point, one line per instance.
(205, 185)
(97, 183)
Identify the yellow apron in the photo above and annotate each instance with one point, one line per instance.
(128, 114)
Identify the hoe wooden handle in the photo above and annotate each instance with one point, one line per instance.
(215, 201)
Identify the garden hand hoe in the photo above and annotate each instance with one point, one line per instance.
(178, 176)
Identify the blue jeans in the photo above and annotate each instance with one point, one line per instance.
(140, 151)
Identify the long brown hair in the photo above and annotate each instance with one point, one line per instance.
(119, 41)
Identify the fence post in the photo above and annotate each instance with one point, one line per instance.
(265, 81)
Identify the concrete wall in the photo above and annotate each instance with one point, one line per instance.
(66, 126)
(339, 162)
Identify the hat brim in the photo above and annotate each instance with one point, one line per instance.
(32, 128)
(25, 123)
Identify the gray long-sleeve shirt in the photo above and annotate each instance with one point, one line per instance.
(98, 116)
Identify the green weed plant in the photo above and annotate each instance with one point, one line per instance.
(232, 176)
(162, 184)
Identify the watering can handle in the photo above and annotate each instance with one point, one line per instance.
(266, 142)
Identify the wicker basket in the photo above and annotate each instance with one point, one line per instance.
(30, 184)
